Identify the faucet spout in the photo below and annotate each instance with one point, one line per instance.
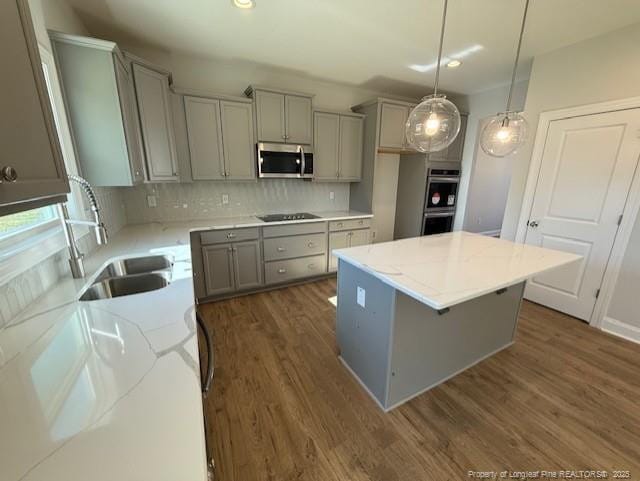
(76, 262)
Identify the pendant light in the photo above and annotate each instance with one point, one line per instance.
(434, 123)
(506, 131)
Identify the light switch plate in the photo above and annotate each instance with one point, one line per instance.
(225, 199)
(332, 195)
(152, 201)
(361, 296)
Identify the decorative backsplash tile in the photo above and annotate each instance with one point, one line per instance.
(202, 200)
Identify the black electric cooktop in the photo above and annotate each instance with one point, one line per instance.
(284, 217)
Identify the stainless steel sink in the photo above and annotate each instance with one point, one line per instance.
(126, 285)
(135, 265)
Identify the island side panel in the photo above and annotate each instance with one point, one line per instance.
(429, 348)
(363, 333)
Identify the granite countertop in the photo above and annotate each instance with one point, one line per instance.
(110, 389)
(447, 269)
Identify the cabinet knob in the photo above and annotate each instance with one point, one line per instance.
(311, 245)
(8, 174)
(231, 235)
(281, 249)
(311, 266)
(360, 222)
(281, 271)
(340, 224)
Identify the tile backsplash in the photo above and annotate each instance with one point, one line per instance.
(202, 200)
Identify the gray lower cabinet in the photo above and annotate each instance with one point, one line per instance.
(292, 269)
(30, 146)
(156, 123)
(344, 239)
(218, 269)
(232, 267)
(247, 263)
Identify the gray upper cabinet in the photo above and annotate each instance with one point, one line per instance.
(338, 142)
(237, 140)
(205, 138)
(30, 148)
(156, 123)
(98, 92)
(351, 141)
(326, 145)
(298, 119)
(392, 125)
(270, 116)
(221, 138)
(282, 116)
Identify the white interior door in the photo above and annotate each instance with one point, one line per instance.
(587, 167)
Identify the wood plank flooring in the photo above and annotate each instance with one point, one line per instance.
(565, 396)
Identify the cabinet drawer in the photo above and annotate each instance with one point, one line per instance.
(282, 271)
(349, 224)
(294, 229)
(295, 246)
(228, 235)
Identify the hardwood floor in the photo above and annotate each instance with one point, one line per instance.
(564, 396)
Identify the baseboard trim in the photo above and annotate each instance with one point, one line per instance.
(491, 233)
(621, 329)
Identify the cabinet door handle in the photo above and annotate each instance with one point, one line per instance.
(360, 222)
(231, 235)
(311, 245)
(281, 249)
(282, 270)
(229, 248)
(340, 224)
(8, 174)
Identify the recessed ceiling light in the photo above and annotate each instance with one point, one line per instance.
(454, 64)
(244, 4)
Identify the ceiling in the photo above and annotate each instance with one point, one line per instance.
(361, 42)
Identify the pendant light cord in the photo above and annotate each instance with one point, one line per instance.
(444, 19)
(515, 65)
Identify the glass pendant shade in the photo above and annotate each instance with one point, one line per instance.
(433, 124)
(504, 134)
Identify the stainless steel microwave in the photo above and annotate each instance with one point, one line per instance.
(285, 161)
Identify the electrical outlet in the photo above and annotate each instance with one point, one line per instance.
(225, 199)
(360, 296)
(152, 201)
(332, 195)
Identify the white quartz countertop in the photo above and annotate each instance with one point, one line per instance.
(221, 223)
(109, 389)
(447, 269)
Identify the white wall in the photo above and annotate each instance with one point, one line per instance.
(485, 180)
(596, 70)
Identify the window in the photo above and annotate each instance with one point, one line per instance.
(22, 221)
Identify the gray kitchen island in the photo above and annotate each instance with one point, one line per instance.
(415, 312)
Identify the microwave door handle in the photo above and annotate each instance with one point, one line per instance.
(439, 214)
(302, 167)
(444, 180)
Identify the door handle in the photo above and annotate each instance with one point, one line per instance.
(533, 224)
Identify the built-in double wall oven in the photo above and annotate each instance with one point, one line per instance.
(440, 201)
(285, 161)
